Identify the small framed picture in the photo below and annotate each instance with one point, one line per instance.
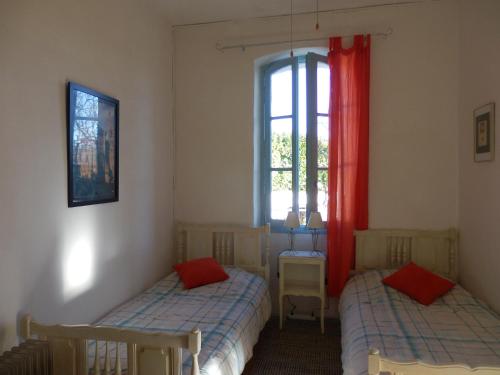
(92, 146)
(484, 133)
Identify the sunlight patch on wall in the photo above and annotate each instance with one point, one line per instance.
(78, 268)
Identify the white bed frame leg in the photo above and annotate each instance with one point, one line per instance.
(194, 348)
(132, 359)
(373, 362)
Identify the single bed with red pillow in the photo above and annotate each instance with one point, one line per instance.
(201, 271)
(418, 283)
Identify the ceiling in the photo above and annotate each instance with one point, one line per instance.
(182, 12)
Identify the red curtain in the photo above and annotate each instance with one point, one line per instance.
(348, 158)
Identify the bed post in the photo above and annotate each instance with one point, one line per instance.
(267, 269)
(194, 344)
(25, 330)
(453, 254)
(179, 243)
(373, 362)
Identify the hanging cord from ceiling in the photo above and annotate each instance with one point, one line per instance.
(291, 28)
(324, 11)
(317, 15)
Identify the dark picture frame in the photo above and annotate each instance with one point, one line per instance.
(92, 146)
(484, 133)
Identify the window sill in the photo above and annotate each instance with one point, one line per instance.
(279, 228)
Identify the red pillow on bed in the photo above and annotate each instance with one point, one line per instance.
(418, 283)
(202, 271)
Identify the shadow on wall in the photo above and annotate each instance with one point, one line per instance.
(2, 337)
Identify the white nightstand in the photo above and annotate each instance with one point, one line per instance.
(302, 273)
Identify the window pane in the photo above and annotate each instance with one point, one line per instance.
(281, 194)
(323, 139)
(281, 143)
(302, 142)
(323, 89)
(323, 193)
(281, 92)
(302, 110)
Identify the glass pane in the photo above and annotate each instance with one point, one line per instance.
(302, 142)
(86, 105)
(323, 88)
(302, 181)
(323, 193)
(302, 110)
(281, 92)
(281, 194)
(93, 148)
(323, 138)
(281, 143)
(302, 205)
(85, 147)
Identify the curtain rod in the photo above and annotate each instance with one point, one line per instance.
(243, 46)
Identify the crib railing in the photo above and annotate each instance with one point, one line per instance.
(148, 353)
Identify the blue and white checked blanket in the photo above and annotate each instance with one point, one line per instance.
(456, 328)
(230, 315)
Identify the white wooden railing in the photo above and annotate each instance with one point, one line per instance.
(147, 353)
(380, 365)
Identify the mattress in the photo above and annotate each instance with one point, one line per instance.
(456, 328)
(230, 315)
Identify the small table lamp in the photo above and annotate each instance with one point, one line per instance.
(315, 222)
(292, 221)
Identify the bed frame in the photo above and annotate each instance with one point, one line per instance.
(154, 353)
(392, 248)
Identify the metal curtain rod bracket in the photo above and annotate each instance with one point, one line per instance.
(221, 47)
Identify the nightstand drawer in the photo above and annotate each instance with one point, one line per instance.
(300, 273)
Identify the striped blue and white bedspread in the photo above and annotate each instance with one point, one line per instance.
(230, 315)
(456, 328)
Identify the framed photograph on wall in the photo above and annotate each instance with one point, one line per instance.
(484, 133)
(92, 146)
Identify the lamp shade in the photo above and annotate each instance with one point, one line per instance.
(292, 220)
(315, 221)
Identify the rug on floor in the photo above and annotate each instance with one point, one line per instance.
(299, 349)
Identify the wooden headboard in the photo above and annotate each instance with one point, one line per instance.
(242, 246)
(392, 248)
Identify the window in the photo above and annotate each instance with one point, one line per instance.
(295, 138)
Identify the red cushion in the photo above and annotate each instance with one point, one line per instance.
(418, 283)
(202, 271)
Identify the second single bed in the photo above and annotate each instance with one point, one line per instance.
(386, 332)
(457, 329)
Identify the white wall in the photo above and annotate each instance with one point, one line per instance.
(119, 47)
(479, 183)
(414, 96)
